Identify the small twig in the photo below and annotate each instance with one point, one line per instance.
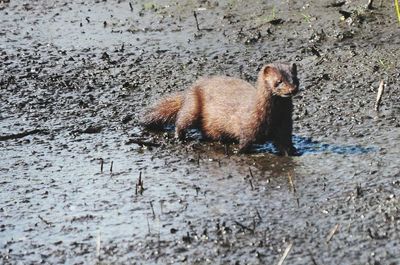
(187, 238)
(197, 22)
(286, 253)
(142, 143)
(379, 95)
(20, 135)
(130, 5)
(44, 221)
(152, 209)
(98, 244)
(159, 241)
(251, 173)
(258, 215)
(111, 167)
(312, 258)
(369, 5)
(139, 188)
(331, 233)
(291, 183)
(244, 227)
(101, 165)
(251, 184)
(252, 177)
(148, 225)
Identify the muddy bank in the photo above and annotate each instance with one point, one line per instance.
(75, 78)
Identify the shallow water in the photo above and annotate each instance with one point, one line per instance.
(305, 145)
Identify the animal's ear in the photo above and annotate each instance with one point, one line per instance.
(268, 71)
(293, 69)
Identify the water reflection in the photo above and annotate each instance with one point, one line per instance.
(305, 145)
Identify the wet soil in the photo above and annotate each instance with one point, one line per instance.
(83, 183)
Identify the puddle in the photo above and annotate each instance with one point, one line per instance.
(305, 145)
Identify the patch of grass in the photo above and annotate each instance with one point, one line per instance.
(232, 3)
(396, 4)
(272, 16)
(385, 64)
(149, 6)
(306, 17)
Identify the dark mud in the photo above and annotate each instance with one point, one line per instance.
(75, 78)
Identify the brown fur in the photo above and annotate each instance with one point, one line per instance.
(226, 107)
(164, 112)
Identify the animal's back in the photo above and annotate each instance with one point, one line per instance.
(224, 104)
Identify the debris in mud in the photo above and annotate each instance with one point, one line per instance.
(197, 23)
(245, 227)
(253, 38)
(44, 221)
(336, 4)
(127, 118)
(374, 234)
(83, 218)
(142, 143)
(101, 165)
(105, 56)
(369, 4)
(139, 187)
(332, 233)
(22, 134)
(285, 253)
(379, 95)
(89, 130)
(276, 21)
(111, 166)
(249, 36)
(345, 14)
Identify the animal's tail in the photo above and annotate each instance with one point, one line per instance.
(163, 112)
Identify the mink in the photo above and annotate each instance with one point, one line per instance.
(230, 108)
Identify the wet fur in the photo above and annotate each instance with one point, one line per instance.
(231, 108)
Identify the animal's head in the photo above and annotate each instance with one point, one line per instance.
(281, 79)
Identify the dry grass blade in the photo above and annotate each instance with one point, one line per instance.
(98, 244)
(285, 254)
(379, 95)
(291, 183)
(396, 4)
(331, 233)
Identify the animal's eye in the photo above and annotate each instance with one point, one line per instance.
(278, 82)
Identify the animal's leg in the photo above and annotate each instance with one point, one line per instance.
(247, 136)
(282, 139)
(189, 114)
